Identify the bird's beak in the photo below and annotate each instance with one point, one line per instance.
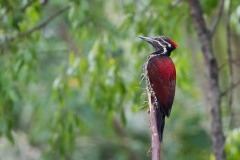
(152, 41)
(149, 40)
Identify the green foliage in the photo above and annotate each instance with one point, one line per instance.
(233, 145)
(72, 85)
(209, 6)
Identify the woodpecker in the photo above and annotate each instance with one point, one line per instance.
(160, 75)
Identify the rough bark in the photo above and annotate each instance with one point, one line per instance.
(230, 58)
(156, 144)
(213, 93)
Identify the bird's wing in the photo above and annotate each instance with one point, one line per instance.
(162, 77)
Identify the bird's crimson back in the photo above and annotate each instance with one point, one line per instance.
(162, 77)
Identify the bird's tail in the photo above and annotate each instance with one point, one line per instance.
(160, 122)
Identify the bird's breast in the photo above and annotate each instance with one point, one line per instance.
(162, 79)
(161, 67)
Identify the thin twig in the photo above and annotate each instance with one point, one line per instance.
(43, 24)
(27, 5)
(233, 86)
(156, 144)
(218, 17)
(35, 28)
(227, 61)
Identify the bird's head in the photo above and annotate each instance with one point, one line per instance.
(162, 44)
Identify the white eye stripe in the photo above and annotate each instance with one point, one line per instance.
(169, 45)
(164, 47)
(160, 43)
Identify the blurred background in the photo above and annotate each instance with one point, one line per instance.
(70, 73)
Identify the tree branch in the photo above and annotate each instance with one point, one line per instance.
(233, 86)
(35, 28)
(202, 30)
(156, 144)
(213, 93)
(230, 57)
(27, 5)
(218, 17)
(233, 61)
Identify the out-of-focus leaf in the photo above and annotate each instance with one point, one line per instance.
(233, 144)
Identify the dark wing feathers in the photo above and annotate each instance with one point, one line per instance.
(172, 85)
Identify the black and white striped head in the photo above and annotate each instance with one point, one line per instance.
(162, 44)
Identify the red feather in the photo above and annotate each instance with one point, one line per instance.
(162, 77)
(173, 43)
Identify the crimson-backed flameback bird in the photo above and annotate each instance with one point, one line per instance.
(160, 75)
